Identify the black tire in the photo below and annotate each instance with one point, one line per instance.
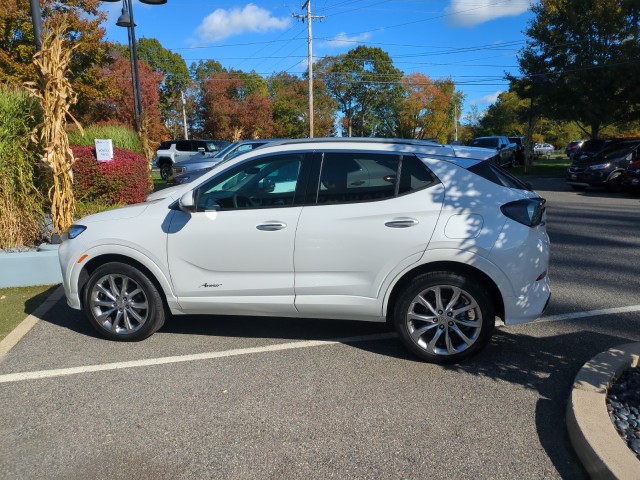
(614, 183)
(165, 170)
(578, 188)
(131, 317)
(514, 161)
(418, 326)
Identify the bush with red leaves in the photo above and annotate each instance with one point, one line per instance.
(125, 179)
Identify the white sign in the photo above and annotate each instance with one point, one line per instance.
(104, 149)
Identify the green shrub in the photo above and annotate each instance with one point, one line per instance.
(21, 204)
(125, 179)
(122, 136)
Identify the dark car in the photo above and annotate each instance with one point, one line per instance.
(573, 148)
(506, 151)
(606, 168)
(632, 176)
(519, 142)
(593, 146)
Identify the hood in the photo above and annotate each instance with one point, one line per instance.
(129, 211)
(476, 153)
(170, 192)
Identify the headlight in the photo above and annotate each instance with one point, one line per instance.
(600, 166)
(75, 230)
(528, 212)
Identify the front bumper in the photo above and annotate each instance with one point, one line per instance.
(588, 178)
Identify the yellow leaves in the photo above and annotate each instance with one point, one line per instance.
(56, 97)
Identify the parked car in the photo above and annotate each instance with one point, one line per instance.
(632, 177)
(520, 148)
(606, 168)
(200, 163)
(573, 148)
(592, 146)
(506, 156)
(174, 151)
(543, 149)
(356, 229)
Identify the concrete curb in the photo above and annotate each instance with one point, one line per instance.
(596, 441)
(28, 323)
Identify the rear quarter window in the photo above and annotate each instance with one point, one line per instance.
(495, 174)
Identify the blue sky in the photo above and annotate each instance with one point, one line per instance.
(472, 41)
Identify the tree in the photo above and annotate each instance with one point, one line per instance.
(232, 110)
(175, 80)
(366, 86)
(289, 98)
(83, 20)
(581, 62)
(118, 106)
(428, 108)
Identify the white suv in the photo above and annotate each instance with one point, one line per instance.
(435, 239)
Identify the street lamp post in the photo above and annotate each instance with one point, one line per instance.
(126, 20)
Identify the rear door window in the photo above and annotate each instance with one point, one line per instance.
(347, 177)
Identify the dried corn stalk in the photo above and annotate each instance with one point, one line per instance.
(56, 97)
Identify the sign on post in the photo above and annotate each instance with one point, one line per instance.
(104, 149)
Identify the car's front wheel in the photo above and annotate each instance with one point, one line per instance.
(614, 183)
(444, 317)
(122, 303)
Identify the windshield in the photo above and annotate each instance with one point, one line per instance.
(617, 150)
(225, 150)
(485, 142)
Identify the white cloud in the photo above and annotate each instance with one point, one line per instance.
(467, 13)
(487, 99)
(342, 40)
(226, 23)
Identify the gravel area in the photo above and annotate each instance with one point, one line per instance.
(623, 405)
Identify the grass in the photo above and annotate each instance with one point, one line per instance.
(158, 182)
(548, 166)
(18, 302)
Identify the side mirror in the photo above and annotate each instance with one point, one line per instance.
(186, 203)
(268, 185)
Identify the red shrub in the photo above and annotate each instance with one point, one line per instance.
(125, 179)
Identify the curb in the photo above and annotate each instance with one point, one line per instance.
(594, 438)
(28, 323)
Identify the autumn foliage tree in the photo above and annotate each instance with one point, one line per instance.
(83, 20)
(427, 108)
(117, 107)
(290, 101)
(231, 111)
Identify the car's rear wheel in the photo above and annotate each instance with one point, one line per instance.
(122, 303)
(165, 170)
(444, 317)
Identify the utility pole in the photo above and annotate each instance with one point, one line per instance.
(309, 17)
(184, 116)
(455, 122)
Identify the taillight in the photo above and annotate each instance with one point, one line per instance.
(528, 212)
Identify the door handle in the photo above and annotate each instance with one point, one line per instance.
(403, 222)
(271, 226)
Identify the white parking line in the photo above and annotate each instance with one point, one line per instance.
(61, 372)
(589, 313)
(18, 377)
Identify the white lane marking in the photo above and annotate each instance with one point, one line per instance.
(589, 313)
(18, 377)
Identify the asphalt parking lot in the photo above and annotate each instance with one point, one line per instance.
(225, 397)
